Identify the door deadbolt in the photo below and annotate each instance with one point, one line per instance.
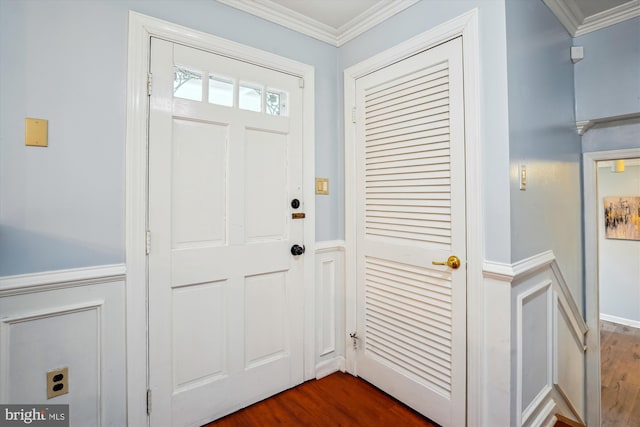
(295, 203)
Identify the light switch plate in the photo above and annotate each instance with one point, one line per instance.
(36, 132)
(322, 186)
(523, 177)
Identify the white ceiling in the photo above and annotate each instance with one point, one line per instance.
(338, 21)
(334, 13)
(592, 7)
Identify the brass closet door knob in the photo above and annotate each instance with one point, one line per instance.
(451, 262)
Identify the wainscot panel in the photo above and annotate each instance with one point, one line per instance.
(330, 324)
(545, 336)
(73, 319)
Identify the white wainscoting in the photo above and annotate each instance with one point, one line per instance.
(330, 326)
(71, 318)
(538, 323)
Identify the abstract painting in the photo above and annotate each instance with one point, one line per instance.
(622, 217)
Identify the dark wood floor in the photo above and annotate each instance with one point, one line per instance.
(343, 400)
(337, 400)
(620, 375)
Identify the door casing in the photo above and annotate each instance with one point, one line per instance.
(141, 29)
(592, 286)
(466, 26)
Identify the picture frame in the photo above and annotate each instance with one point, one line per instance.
(622, 217)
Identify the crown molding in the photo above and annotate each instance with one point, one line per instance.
(286, 17)
(293, 20)
(609, 17)
(569, 14)
(370, 18)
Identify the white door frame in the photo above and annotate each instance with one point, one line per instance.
(592, 287)
(466, 26)
(141, 29)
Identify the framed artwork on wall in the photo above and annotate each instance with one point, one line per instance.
(622, 217)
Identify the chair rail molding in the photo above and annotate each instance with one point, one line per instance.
(517, 271)
(330, 246)
(60, 279)
(583, 126)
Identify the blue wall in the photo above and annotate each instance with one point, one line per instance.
(543, 137)
(65, 61)
(612, 138)
(608, 78)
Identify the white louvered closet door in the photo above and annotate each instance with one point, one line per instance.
(411, 315)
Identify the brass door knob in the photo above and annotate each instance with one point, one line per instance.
(452, 262)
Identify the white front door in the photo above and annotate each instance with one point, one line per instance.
(411, 314)
(225, 291)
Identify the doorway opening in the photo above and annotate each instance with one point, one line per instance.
(618, 189)
(141, 29)
(355, 259)
(595, 246)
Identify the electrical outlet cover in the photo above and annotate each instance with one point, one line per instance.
(57, 382)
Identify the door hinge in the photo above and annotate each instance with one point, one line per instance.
(353, 115)
(149, 83)
(301, 83)
(147, 242)
(355, 338)
(148, 401)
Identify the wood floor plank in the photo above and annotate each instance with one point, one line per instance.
(336, 400)
(618, 404)
(620, 375)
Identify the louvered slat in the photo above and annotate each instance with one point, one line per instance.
(400, 140)
(408, 320)
(439, 150)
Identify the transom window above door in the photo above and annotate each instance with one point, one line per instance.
(228, 92)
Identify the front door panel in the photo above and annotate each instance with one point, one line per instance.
(225, 292)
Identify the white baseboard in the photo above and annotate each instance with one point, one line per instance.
(330, 366)
(620, 320)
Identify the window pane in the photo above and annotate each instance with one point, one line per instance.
(276, 103)
(187, 84)
(250, 97)
(221, 91)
